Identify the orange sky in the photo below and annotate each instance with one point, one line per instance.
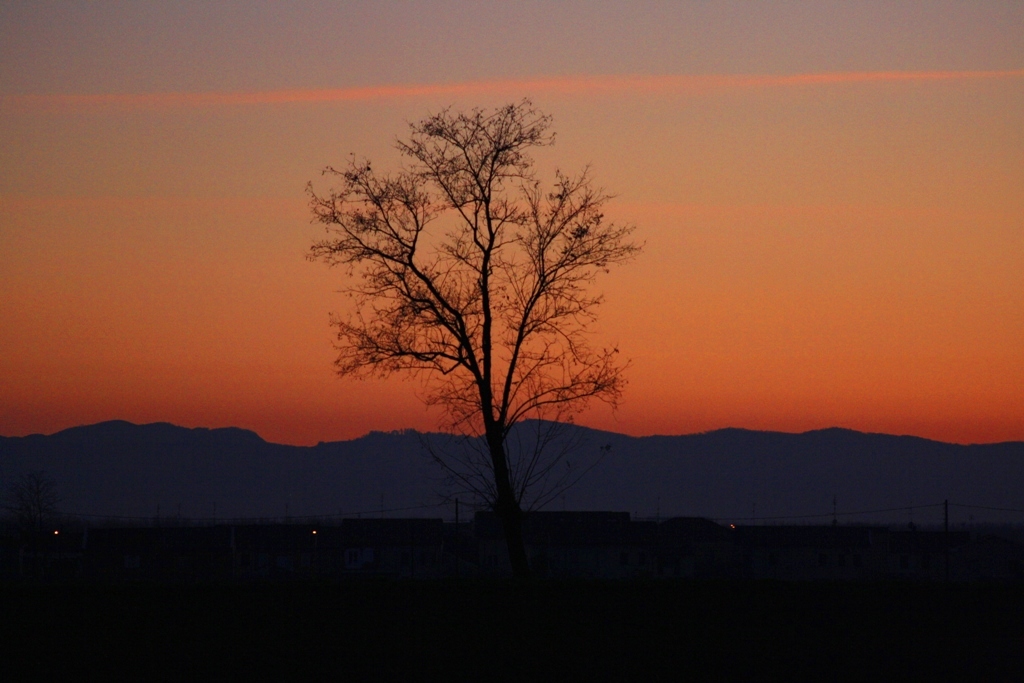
(833, 238)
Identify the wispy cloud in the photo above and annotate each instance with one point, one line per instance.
(567, 85)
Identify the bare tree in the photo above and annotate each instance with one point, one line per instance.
(467, 271)
(33, 500)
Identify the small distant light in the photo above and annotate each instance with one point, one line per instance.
(55, 532)
(732, 526)
(314, 532)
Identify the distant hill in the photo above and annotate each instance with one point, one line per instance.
(118, 468)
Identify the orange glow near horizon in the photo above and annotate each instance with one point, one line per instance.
(815, 256)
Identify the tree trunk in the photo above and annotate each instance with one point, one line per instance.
(512, 523)
(508, 511)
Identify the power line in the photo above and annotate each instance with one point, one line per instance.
(832, 514)
(426, 506)
(985, 507)
(293, 518)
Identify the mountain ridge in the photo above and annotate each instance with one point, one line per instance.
(118, 468)
(407, 431)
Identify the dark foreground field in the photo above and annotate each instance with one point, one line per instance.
(497, 631)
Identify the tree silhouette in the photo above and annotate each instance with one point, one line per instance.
(467, 271)
(32, 499)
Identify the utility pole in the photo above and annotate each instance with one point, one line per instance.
(945, 509)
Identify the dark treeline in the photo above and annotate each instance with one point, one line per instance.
(560, 545)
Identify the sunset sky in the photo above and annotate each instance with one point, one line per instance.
(831, 197)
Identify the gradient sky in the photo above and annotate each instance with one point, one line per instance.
(831, 195)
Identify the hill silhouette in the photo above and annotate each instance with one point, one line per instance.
(119, 468)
